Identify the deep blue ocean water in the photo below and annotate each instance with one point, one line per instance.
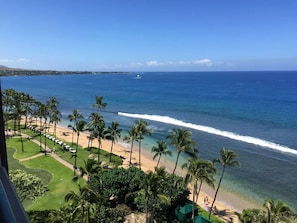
(252, 113)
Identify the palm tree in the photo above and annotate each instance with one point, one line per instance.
(227, 158)
(27, 100)
(113, 133)
(150, 190)
(80, 127)
(97, 126)
(252, 216)
(46, 115)
(84, 203)
(141, 130)
(74, 117)
(89, 169)
(56, 118)
(181, 140)
(277, 211)
(18, 111)
(207, 173)
(90, 137)
(99, 104)
(40, 111)
(161, 149)
(199, 170)
(54, 113)
(130, 138)
(7, 104)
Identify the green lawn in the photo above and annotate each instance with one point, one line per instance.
(30, 148)
(59, 186)
(57, 176)
(14, 164)
(82, 153)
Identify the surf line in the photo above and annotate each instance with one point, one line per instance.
(211, 130)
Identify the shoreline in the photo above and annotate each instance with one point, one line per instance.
(227, 202)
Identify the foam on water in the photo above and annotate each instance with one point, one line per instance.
(211, 130)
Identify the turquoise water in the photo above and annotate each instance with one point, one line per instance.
(252, 113)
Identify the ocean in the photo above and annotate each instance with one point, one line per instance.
(252, 113)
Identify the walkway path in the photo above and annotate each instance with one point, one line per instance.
(31, 157)
(52, 154)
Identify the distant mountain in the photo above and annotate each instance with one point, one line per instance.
(3, 67)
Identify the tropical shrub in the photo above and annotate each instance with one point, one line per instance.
(116, 182)
(27, 186)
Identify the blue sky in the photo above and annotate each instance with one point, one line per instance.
(149, 35)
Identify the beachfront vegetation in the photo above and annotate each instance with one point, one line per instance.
(228, 158)
(141, 130)
(74, 117)
(160, 150)
(131, 138)
(181, 140)
(199, 171)
(273, 212)
(108, 194)
(113, 133)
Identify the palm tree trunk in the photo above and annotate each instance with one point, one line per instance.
(131, 153)
(112, 142)
(72, 137)
(40, 134)
(139, 154)
(89, 140)
(193, 201)
(21, 138)
(153, 211)
(55, 129)
(158, 161)
(198, 191)
(74, 166)
(99, 147)
(45, 142)
(176, 162)
(215, 197)
(77, 141)
(26, 118)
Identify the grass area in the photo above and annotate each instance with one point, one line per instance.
(213, 218)
(54, 174)
(14, 164)
(82, 153)
(30, 148)
(59, 186)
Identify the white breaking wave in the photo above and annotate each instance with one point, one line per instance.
(211, 130)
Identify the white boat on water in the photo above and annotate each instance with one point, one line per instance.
(138, 76)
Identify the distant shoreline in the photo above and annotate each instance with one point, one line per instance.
(5, 71)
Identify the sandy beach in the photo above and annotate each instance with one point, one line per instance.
(227, 204)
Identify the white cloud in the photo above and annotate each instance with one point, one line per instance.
(153, 63)
(23, 60)
(202, 62)
(6, 61)
(19, 60)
